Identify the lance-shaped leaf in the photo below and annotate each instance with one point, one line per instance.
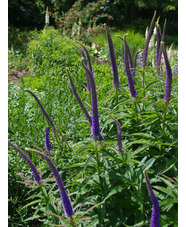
(155, 216)
(42, 108)
(95, 117)
(62, 191)
(87, 115)
(120, 146)
(83, 55)
(47, 141)
(127, 69)
(35, 173)
(112, 59)
(168, 84)
(148, 40)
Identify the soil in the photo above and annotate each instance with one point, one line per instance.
(15, 75)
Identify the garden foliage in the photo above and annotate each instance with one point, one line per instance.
(104, 178)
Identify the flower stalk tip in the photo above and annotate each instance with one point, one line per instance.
(112, 58)
(168, 84)
(42, 108)
(62, 191)
(148, 40)
(95, 117)
(119, 139)
(155, 216)
(127, 69)
(87, 115)
(35, 173)
(47, 141)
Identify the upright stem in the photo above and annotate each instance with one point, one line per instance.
(136, 110)
(143, 74)
(72, 221)
(164, 118)
(116, 90)
(98, 169)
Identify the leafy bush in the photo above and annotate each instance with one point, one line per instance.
(83, 23)
(50, 51)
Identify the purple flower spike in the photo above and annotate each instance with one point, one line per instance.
(83, 55)
(112, 59)
(157, 42)
(62, 191)
(88, 57)
(168, 84)
(42, 108)
(148, 40)
(87, 115)
(120, 146)
(160, 48)
(95, 117)
(155, 216)
(47, 141)
(127, 69)
(36, 175)
(135, 58)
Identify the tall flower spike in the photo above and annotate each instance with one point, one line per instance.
(131, 65)
(112, 59)
(47, 141)
(88, 57)
(35, 173)
(42, 108)
(148, 40)
(160, 48)
(87, 115)
(135, 58)
(62, 191)
(130, 62)
(155, 216)
(120, 146)
(95, 117)
(83, 55)
(168, 84)
(157, 41)
(127, 69)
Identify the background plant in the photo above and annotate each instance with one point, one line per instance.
(83, 22)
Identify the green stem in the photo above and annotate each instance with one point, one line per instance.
(98, 169)
(163, 127)
(116, 90)
(72, 221)
(136, 110)
(143, 74)
(164, 118)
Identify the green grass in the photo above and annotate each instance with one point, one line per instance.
(93, 172)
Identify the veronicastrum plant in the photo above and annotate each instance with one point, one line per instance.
(110, 175)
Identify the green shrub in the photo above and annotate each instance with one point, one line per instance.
(49, 50)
